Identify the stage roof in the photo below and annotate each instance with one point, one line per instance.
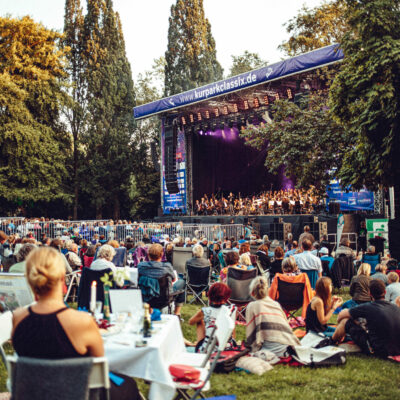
(216, 94)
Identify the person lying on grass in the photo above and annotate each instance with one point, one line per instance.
(204, 319)
(322, 307)
(374, 326)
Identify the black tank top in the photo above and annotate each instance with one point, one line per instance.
(312, 321)
(42, 336)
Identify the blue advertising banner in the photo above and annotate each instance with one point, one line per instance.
(350, 201)
(174, 202)
(313, 59)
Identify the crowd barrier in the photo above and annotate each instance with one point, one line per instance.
(136, 231)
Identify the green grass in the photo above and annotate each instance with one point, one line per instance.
(361, 377)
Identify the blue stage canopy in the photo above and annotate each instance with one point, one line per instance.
(308, 61)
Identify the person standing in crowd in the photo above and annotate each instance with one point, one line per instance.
(306, 235)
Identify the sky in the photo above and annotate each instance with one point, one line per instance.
(237, 25)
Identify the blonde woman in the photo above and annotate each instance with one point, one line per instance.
(50, 330)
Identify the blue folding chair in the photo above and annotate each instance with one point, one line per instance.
(312, 276)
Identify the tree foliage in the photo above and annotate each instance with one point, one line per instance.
(33, 143)
(304, 139)
(315, 27)
(245, 62)
(365, 95)
(191, 58)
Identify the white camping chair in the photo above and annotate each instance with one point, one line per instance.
(73, 283)
(5, 336)
(224, 324)
(98, 377)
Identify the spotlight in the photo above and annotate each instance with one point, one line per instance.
(246, 105)
(266, 100)
(183, 119)
(225, 110)
(235, 108)
(256, 102)
(276, 96)
(198, 116)
(207, 114)
(191, 118)
(289, 93)
(216, 112)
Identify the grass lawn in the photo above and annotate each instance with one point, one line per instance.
(360, 378)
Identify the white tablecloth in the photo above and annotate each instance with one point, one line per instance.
(150, 362)
(133, 274)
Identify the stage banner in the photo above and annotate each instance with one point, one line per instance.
(378, 228)
(349, 201)
(174, 202)
(313, 59)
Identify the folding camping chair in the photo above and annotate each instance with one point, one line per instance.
(290, 296)
(312, 276)
(224, 325)
(73, 285)
(239, 281)
(198, 280)
(98, 376)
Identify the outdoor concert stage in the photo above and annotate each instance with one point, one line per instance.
(201, 149)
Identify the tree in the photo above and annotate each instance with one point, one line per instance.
(191, 58)
(365, 98)
(316, 27)
(110, 97)
(33, 143)
(76, 110)
(245, 62)
(305, 140)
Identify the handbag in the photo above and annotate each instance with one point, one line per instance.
(184, 373)
(323, 357)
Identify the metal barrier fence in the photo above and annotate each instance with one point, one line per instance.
(90, 230)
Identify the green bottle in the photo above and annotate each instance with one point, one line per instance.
(146, 321)
(106, 304)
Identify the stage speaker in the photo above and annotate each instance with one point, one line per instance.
(276, 231)
(287, 228)
(171, 137)
(323, 229)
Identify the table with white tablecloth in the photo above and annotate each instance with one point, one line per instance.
(150, 362)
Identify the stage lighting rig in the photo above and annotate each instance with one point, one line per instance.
(235, 108)
(183, 120)
(266, 100)
(276, 96)
(207, 114)
(225, 110)
(191, 118)
(256, 102)
(216, 112)
(289, 93)
(199, 118)
(246, 105)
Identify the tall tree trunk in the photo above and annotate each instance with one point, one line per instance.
(75, 173)
(99, 214)
(116, 207)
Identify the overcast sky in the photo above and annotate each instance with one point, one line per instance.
(237, 25)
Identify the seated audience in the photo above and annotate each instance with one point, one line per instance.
(72, 256)
(276, 265)
(88, 257)
(50, 330)
(380, 273)
(22, 255)
(263, 258)
(198, 260)
(155, 268)
(393, 288)
(306, 235)
(204, 319)
(293, 250)
(104, 259)
(244, 248)
(324, 254)
(245, 261)
(306, 261)
(359, 285)
(289, 267)
(57, 245)
(321, 308)
(374, 326)
(344, 249)
(232, 260)
(83, 249)
(266, 323)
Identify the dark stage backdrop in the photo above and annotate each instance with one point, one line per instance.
(222, 162)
